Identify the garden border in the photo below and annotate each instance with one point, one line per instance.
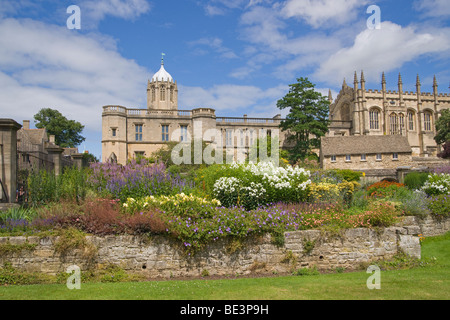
(162, 257)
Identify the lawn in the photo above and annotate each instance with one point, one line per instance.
(430, 281)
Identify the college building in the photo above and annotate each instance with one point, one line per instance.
(128, 132)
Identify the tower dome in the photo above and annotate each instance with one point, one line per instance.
(162, 74)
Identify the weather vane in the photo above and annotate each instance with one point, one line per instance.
(162, 58)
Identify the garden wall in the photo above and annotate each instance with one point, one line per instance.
(159, 256)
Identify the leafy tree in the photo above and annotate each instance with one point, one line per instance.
(307, 120)
(67, 132)
(443, 127)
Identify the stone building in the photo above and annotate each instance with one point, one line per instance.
(128, 132)
(358, 111)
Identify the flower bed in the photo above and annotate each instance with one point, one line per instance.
(235, 201)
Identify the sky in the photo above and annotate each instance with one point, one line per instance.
(235, 56)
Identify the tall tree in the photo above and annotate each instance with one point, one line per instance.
(67, 132)
(443, 127)
(307, 120)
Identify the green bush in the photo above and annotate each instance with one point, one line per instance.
(440, 205)
(415, 180)
(348, 175)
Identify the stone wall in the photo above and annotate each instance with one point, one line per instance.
(160, 257)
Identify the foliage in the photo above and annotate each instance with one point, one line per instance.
(415, 180)
(437, 184)
(137, 180)
(445, 154)
(252, 185)
(440, 205)
(179, 204)
(44, 186)
(67, 132)
(443, 127)
(329, 192)
(384, 189)
(307, 120)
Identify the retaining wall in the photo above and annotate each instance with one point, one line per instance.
(162, 257)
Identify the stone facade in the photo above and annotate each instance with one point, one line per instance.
(160, 257)
(128, 132)
(360, 111)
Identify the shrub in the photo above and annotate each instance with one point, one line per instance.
(384, 189)
(440, 205)
(437, 184)
(415, 180)
(252, 185)
(140, 180)
(179, 205)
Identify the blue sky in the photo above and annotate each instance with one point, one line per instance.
(236, 56)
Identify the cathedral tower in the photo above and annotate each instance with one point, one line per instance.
(162, 91)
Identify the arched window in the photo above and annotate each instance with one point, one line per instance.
(163, 93)
(374, 115)
(153, 94)
(401, 129)
(427, 121)
(411, 118)
(393, 121)
(171, 94)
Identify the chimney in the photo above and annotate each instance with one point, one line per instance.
(52, 139)
(26, 124)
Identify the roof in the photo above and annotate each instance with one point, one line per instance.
(162, 75)
(344, 145)
(35, 136)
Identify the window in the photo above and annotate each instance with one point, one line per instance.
(348, 158)
(138, 132)
(241, 132)
(401, 123)
(171, 94)
(114, 132)
(165, 133)
(410, 120)
(153, 94)
(183, 137)
(162, 93)
(378, 157)
(251, 138)
(229, 138)
(395, 156)
(363, 157)
(393, 120)
(139, 154)
(374, 115)
(427, 121)
(333, 158)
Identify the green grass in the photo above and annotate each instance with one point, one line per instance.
(428, 282)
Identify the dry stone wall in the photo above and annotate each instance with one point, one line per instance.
(160, 257)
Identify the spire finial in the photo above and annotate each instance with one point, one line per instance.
(362, 76)
(355, 80)
(383, 78)
(162, 58)
(418, 80)
(400, 78)
(434, 81)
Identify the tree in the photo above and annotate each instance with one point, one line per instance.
(67, 132)
(307, 120)
(443, 127)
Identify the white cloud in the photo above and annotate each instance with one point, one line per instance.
(215, 44)
(433, 8)
(375, 51)
(230, 98)
(94, 11)
(318, 13)
(48, 66)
